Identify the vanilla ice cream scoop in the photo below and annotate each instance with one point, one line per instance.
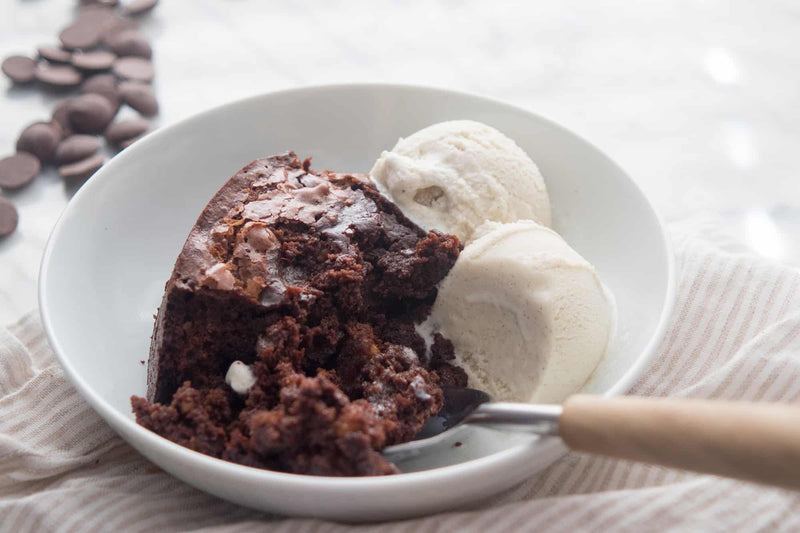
(528, 316)
(453, 176)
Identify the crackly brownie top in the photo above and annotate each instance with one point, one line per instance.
(238, 245)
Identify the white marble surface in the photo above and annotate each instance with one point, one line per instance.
(698, 100)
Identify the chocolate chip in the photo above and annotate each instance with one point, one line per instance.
(80, 35)
(20, 69)
(96, 15)
(83, 168)
(139, 96)
(58, 76)
(134, 68)
(93, 61)
(124, 132)
(61, 115)
(109, 3)
(40, 139)
(91, 113)
(8, 217)
(104, 85)
(139, 7)
(18, 170)
(129, 43)
(115, 26)
(76, 147)
(54, 54)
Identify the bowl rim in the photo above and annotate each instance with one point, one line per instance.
(450, 473)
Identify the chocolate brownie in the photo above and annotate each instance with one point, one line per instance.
(312, 282)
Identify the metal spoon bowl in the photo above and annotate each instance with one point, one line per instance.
(470, 406)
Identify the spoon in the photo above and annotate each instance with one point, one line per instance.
(745, 440)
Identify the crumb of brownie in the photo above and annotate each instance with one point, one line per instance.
(312, 281)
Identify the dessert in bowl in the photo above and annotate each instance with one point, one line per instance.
(148, 200)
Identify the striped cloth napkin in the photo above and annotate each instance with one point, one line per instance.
(735, 334)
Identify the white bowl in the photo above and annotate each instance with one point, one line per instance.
(106, 263)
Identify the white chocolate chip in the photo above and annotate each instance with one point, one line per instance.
(240, 377)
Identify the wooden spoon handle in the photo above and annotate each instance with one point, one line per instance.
(752, 441)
